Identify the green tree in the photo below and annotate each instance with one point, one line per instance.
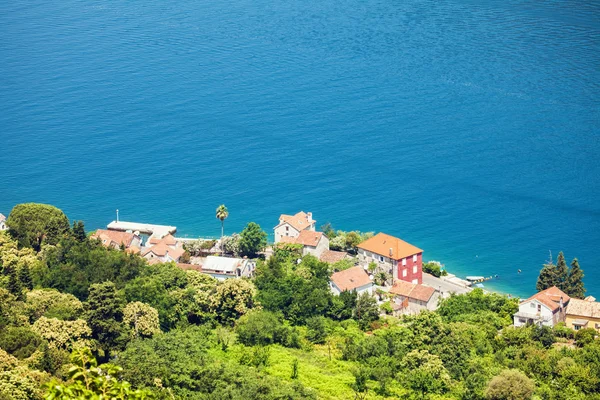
(25, 277)
(258, 327)
(549, 276)
(142, 318)
(222, 213)
(511, 384)
(366, 310)
(14, 283)
(252, 240)
(104, 313)
(79, 231)
(232, 299)
(90, 381)
(562, 272)
(34, 224)
(575, 286)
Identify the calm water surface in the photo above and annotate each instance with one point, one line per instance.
(470, 129)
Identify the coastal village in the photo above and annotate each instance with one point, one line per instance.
(408, 289)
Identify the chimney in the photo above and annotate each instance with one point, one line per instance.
(309, 216)
(561, 303)
(391, 252)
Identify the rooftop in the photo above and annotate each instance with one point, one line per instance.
(300, 221)
(305, 238)
(332, 256)
(389, 246)
(412, 290)
(350, 279)
(226, 264)
(551, 298)
(584, 308)
(159, 231)
(162, 249)
(108, 237)
(2, 217)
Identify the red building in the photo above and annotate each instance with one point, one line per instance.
(394, 256)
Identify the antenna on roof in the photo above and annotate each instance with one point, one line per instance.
(117, 215)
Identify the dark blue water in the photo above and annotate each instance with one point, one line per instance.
(469, 129)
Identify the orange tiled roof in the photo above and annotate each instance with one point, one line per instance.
(412, 290)
(300, 221)
(107, 237)
(382, 243)
(551, 298)
(332, 256)
(350, 278)
(162, 249)
(133, 250)
(309, 238)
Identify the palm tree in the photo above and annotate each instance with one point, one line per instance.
(222, 214)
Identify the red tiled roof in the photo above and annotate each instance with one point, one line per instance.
(332, 256)
(107, 237)
(300, 221)
(383, 245)
(350, 278)
(309, 238)
(412, 290)
(551, 298)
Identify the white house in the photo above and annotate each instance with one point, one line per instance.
(547, 308)
(292, 225)
(412, 298)
(3, 225)
(313, 243)
(224, 267)
(354, 278)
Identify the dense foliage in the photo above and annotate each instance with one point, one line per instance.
(569, 280)
(78, 320)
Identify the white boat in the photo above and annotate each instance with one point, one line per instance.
(475, 278)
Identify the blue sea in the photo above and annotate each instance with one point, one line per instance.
(468, 128)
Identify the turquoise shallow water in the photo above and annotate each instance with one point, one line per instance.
(469, 129)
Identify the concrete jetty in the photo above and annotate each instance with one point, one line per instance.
(158, 231)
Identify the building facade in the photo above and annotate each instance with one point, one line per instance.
(354, 278)
(399, 259)
(583, 314)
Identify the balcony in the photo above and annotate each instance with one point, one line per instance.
(531, 316)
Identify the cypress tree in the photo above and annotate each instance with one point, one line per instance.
(562, 272)
(575, 286)
(548, 276)
(79, 231)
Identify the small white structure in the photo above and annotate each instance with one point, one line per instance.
(354, 278)
(546, 308)
(224, 267)
(3, 225)
(292, 225)
(313, 243)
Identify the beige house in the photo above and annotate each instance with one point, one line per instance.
(546, 308)
(3, 225)
(165, 249)
(412, 298)
(313, 243)
(583, 314)
(354, 278)
(292, 225)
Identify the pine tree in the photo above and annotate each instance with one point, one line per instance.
(575, 286)
(562, 272)
(25, 277)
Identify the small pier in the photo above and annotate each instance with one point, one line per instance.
(158, 231)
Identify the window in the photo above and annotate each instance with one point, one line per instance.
(415, 258)
(287, 228)
(404, 273)
(576, 327)
(415, 281)
(381, 258)
(522, 320)
(415, 269)
(539, 308)
(404, 261)
(532, 305)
